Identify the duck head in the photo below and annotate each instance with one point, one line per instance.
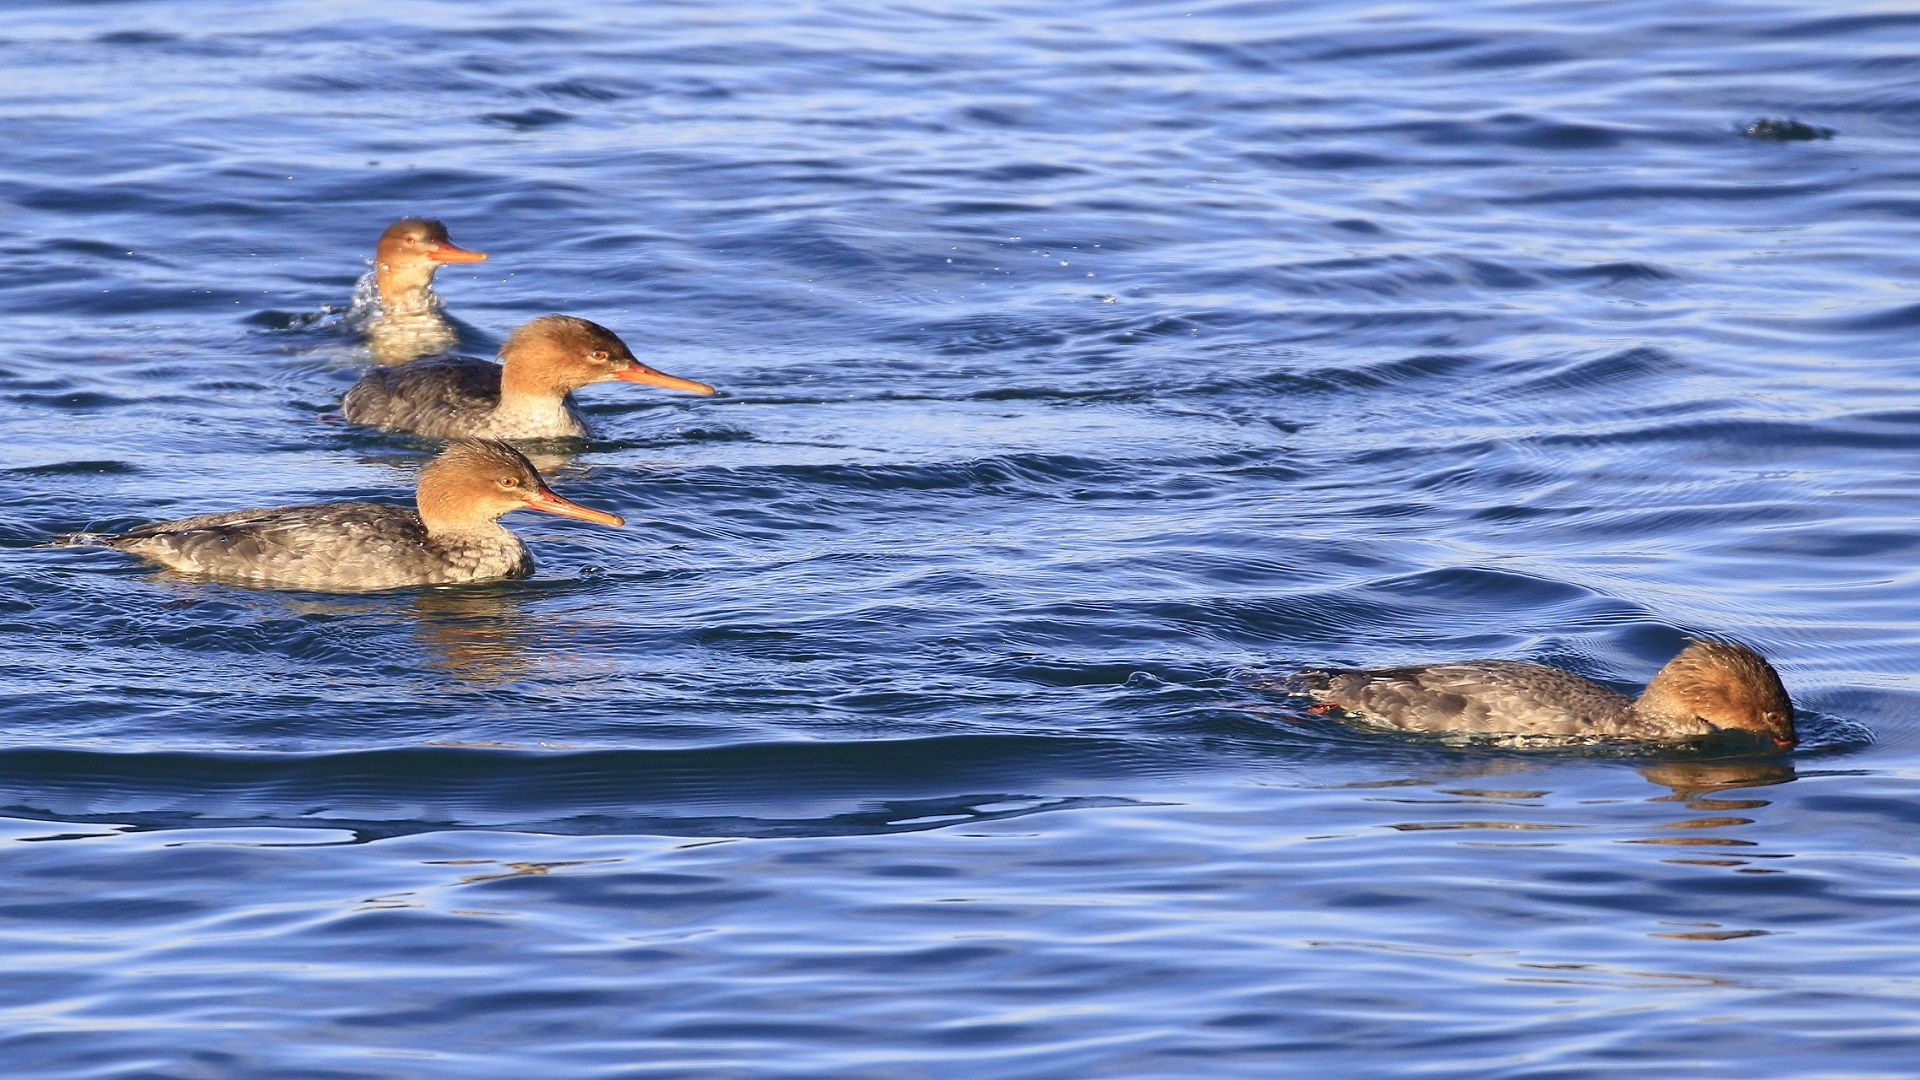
(558, 354)
(408, 254)
(474, 481)
(1727, 687)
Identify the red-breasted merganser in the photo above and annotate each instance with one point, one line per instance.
(453, 537)
(405, 260)
(528, 395)
(1711, 689)
(395, 304)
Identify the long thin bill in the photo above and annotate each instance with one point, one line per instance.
(642, 374)
(447, 253)
(545, 499)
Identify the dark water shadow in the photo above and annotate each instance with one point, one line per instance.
(788, 789)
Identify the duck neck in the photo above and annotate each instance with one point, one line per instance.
(405, 289)
(492, 552)
(530, 402)
(446, 517)
(1659, 704)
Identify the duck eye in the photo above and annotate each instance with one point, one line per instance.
(598, 356)
(509, 482)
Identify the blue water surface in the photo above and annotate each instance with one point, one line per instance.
(1084, 367)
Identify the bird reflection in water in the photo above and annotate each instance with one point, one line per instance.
(1696, 785)
(1693, 784)
(485, 634)
(479, 633)
(1692, 779)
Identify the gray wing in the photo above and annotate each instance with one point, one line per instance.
(439, 397)
(265, 516)
(1506, 697)
(330, 546)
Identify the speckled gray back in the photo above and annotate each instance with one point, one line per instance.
(352, 546)
(440, 398)
(1491, 697)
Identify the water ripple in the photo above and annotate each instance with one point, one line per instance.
(1083, 373)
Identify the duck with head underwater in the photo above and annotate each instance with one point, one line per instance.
(452, 535)
(528, 395)
(1713, 690)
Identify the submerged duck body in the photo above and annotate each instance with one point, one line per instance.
(452, 536)
(528, 395)
(1711, 689)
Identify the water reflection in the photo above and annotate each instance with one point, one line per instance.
(478, 634)
(1709, 830)
(1690, 779)
(1690, 783)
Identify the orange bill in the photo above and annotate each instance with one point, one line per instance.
(448, 251)
(641, 373)
(543, 498)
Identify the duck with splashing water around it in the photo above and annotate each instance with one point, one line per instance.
(394, 304)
